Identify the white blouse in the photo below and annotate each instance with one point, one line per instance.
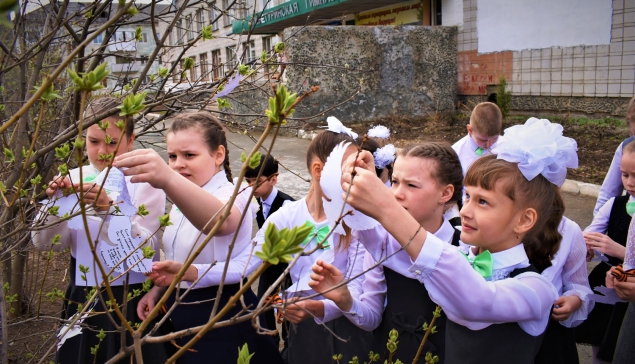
(367, 310)
(568, 271)
(600, 223)
(465, 148)
(143, 226)
(470, 300)
(182, 238)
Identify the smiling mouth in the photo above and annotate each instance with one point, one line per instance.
(467, 227)
(186, 175)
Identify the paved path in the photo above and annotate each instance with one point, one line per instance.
(291, 153)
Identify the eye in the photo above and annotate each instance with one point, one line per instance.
(394, 182)
(190, 155)
(411, 185)
(482, 202)
(467, 197)
(171, 156)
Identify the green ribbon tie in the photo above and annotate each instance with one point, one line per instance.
(479, 151)
(482, 263)
(318, 234)
(630, 208)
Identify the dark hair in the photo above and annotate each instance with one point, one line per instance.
(102, 104)
(321, 147)
(543, 240)
(487, 118)
(448, 166)
(212, 130)
(269, 167)
(323, 144)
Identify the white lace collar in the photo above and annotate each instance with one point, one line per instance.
(506, 261)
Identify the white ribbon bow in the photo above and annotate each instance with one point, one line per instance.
(336, 126)
(379, 131)
(384, 156)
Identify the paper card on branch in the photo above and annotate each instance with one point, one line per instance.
(67, 332)
(330, 182)
(116, 181)
(608, 296)
(123, 244)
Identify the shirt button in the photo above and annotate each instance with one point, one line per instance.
(418, 272)
(353, 314)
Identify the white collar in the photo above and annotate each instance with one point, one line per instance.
(272, 196)
(445, 232)
(216, 181)
(506, 259)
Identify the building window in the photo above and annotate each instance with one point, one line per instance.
(228, 15)
(144, 38)
(123, 60)
(98, 39)
(266, 47)
(250, 51)
(213, 15)
(193, 74)
(230, 58)
(200, 20)
(216, 65)
(179, 31)
(188, 27)
(175, 73)
(204, 74)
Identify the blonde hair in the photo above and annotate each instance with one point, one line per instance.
(487, 118)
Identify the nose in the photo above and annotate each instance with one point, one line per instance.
(177, 163)
(466, 210)
(397, 191)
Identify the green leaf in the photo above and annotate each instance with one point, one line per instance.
(243, 157)
(132, 104)
(243, 355)
(188, 63)
(103, 124)
(164, 220)
(120, 124)
(3, 188)
(279, 47)
(281, 245)
(84, 269)
(142, 211)
(223, 103)
(79, 142)
(102, 335)
(63, 169)
(254, 161)
(163, 72)
(37, 180)
(147, 251)
(49, 95)
(8, 155)
(132, 11)
(147, 285)
(244, 70)
(56, 239)
(62, 151)
(138, 34)
(206, 33)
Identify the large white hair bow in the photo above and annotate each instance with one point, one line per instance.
(384, 156)
(539, 147)
(379, 131)
(336, 126)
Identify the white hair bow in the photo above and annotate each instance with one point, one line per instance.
(539, 147)
(384, 156)
(336, 126)
(379, 131)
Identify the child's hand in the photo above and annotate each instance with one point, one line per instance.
(148, 301)
(368, 193)
(163, 273)
(626, 290)
(324, 277)
(589, 253)
(565, 306)
(605, 245)
(296, 312)
(58, 183)
(365, 160)
(90, 191)
(610, 279)
(145, 165)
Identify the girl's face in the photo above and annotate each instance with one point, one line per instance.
(627, 167)
(97, 144)
(417, 190)
(189, 155)
(489, 219)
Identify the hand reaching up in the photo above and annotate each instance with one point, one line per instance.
(324, 277)
(145, 165)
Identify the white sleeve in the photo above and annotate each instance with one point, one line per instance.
(612, 185)
(468, 299)
(600, 223)
(235, 269)
(366, 312)
(575, 280)
(42, 239)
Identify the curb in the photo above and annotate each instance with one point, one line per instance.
(569, 186)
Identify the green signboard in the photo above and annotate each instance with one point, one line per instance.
(284, 11)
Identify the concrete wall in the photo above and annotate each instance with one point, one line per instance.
(407, 70)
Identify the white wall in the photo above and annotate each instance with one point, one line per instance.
(520, 24)
(452, 12)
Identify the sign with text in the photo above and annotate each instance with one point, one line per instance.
(399, 14)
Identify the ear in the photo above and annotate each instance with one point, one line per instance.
(469, 129)
(446, 193)
(274, 179)
(219, 155)
(526, 221)
(316, 169)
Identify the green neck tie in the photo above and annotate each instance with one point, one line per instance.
(317, 234)
(479, 151)
(482, 263)
(630, 208)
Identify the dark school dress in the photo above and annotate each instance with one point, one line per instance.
(220, 345)
(77, 349)
(408, 307)
(625, 350)
(558, 345)
(495, 344)
(269, 276)
(602, 326)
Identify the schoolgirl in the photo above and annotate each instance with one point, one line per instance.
(511, 197)
(99, 143)
(313, 322)
(607, 235)
(198, 182)
(568, 273)
(426, 178)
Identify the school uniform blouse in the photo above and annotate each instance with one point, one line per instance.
(182, 237)
(600, 223)
(476, 303)
(142, 226)
(568, 271)
(612, 184)
(367, 310)
(465, 148)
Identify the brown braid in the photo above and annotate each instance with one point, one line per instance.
(448, 167)
(212, 130)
